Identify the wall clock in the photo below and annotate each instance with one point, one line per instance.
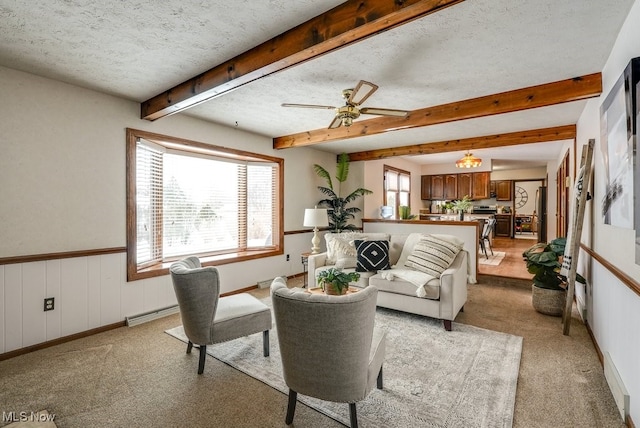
(521, 197)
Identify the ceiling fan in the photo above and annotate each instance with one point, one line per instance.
(351, 109)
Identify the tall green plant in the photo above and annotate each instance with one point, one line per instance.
(337, 210)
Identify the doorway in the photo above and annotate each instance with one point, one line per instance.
(530, 209)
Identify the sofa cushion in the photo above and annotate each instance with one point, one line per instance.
(396, 244)
(432, 255)
(372, 256)
(399, 286)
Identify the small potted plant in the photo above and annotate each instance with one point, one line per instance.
(405, 213)
(463, 205)
(549, 287)
(335, 281)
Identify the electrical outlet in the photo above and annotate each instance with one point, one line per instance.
(287, 257)
(48, 303)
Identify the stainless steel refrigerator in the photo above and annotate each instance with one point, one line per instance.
(541, 211)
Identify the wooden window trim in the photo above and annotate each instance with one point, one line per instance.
(135, 272)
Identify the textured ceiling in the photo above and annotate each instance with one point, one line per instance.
(138, 49)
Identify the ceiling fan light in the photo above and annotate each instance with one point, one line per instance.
(347, 121)
(468, 161)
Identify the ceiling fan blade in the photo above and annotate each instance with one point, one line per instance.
(384, 111)
(361, 92)
(337, 121)
(308, 106)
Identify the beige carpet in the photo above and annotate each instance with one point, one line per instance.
(493, 260)
(466, 377)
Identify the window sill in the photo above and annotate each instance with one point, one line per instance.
(160, 269)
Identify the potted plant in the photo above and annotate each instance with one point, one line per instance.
(335, 281)
(463, 205)
(337, 210)
(405, 213)
(549, 287)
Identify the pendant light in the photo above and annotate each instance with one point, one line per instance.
(468, 161)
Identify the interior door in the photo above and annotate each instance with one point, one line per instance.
(562, 197)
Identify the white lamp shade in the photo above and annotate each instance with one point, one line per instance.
(315, 217)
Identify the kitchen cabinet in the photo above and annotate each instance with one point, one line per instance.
(503, 190)
(480, 185)
(465, 185)
(503, 225)
(437, 187)
(451, 186)
(425, 187)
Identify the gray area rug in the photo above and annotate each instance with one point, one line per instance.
(432, 378)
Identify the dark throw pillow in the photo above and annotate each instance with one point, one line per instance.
(372, 256)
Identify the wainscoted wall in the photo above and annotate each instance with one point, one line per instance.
(92, 292)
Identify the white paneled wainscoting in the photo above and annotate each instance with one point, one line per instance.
(92, 292)
(89, 292)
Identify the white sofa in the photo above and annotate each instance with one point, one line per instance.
(443, 297)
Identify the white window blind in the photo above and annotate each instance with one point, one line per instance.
(148, 202)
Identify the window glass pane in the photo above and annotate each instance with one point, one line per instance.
(200, 205)
(391, 180)
(260, 209)
(404, 198)
(405, 183)
(392, 201)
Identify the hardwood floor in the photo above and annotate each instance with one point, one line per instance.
(512, 266)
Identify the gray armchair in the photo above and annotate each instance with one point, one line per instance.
(208, 318)
(329, 346)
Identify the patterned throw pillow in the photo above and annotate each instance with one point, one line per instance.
(372, 256)
(432, 255)
(340, 245)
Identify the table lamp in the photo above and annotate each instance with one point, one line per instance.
(315, 217)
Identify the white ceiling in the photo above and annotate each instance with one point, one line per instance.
(140, 48)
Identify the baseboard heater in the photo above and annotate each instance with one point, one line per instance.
(619, 392)
(153, 315)
(267, 282)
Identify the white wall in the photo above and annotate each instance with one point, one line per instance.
(613, 310)
(374, 179)
(62, 188)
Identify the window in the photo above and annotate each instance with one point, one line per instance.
(397, 189)
(187, 198)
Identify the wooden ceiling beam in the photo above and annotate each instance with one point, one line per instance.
(563, 91)
(557, 133)
(348, 23)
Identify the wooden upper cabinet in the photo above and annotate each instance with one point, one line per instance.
(437, 187)
(481, 185)
(451, 186)
(465, 185)
(425, 187)
(503, 190)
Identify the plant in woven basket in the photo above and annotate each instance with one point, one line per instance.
(544, 262)
(336, 280)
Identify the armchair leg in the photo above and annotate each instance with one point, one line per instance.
(379, 381)
(265, 343)
(291, 408)
(447, 325)
(352, 415)
(189, 347)
(203, 354)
